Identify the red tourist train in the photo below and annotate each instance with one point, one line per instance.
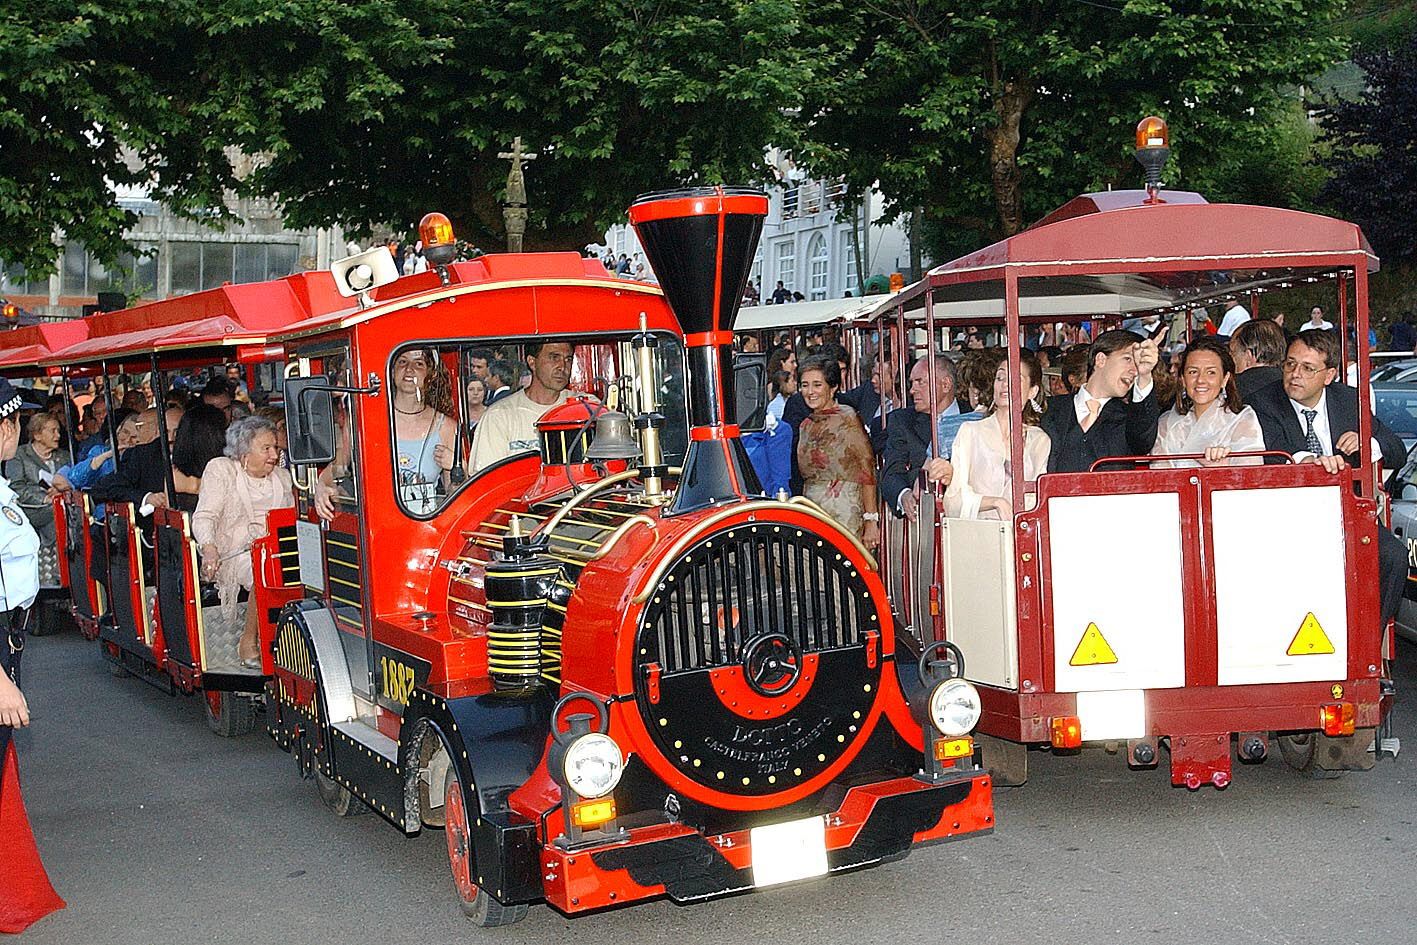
(604, 663)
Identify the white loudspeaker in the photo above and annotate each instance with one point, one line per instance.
(364, 272)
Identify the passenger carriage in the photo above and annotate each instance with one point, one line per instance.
(607, 668)
(1208, 612)
(141, 596)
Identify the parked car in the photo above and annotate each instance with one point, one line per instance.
(1395, 404)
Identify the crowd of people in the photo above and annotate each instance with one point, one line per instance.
(1213, 401)
(224, 462)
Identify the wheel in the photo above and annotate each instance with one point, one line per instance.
(474, 901)
(229, 714)
(1300, 752)
(337, 797)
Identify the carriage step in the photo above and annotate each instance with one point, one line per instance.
(370, 738)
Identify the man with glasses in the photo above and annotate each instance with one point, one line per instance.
(1313, 417)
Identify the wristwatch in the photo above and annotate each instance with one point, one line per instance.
(870, 516)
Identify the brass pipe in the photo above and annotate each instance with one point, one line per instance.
(619, 533)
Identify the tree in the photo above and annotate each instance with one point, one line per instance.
(988, 114)
(376, 112)
(1373, 157)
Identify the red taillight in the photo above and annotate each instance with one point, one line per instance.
(1337, 718)
(1067, 731)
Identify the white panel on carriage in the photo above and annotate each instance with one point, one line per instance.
(310, 552)
(1116, 567)
(334, 668)
(980, 607)
(1279, 557)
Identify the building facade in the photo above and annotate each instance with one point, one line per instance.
(176, 256)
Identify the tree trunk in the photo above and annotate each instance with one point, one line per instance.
(1009, 105)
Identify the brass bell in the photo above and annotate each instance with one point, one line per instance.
(613, 438)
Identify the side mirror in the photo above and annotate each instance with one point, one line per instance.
(309, 420)
(750, 374)
(1408, 492)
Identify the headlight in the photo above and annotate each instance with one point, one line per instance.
(954, 707)
(593, 765)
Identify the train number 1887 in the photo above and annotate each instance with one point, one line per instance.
(396, 680)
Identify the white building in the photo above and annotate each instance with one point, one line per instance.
(808, 244)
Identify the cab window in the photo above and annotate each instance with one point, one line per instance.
(441, 395)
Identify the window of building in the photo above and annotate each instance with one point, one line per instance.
(14, 281)
(787, 264)
(819, 258)
(208, 265)
(849, 277)
(81, 274)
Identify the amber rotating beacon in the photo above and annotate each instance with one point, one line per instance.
(700, 243)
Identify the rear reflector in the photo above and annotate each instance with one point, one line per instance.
(1337, 718)
(593, 813)
(1067, 732)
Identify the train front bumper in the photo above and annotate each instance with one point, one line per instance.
(875, 823)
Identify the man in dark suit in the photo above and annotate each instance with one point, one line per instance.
(1312, 417)
(1257, 348)
(503, 377)
(866, 400)
(908, 436)
(1114, 413)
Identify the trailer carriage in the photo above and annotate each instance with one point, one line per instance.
(1210, 612)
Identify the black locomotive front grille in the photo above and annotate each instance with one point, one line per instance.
(749, 581)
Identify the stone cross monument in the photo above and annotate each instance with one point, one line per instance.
(514, 207)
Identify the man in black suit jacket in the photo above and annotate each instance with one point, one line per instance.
(1114, 413)
(909, 436)
(1314, 418)
(1257, 348)
(865, 399)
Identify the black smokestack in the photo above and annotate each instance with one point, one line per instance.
(700, 243)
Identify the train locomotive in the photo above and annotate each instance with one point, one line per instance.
(606, 676)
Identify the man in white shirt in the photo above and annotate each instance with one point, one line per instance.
(509, 425)
(1235, 316)
(1114, 413)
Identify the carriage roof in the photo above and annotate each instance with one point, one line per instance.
(1112, 253)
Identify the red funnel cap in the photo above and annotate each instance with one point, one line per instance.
(700, 243)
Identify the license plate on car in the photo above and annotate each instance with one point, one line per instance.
(783, 853)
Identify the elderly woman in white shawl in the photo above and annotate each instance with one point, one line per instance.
(1209, 419)
(238, 489)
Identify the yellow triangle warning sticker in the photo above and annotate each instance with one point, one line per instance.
(1311, 639)
(1093, 649)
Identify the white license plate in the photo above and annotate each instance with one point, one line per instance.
(786, 852)
(1112, 715)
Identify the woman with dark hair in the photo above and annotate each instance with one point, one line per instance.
(982, 480)
(1209, 417)
(200, 438)
(424, 429)
(834, 454)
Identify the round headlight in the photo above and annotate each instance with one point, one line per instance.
(593, 765)
(954, 707)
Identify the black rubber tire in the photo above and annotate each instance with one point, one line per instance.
(338, 798)
(228, 714)
(1300, 752)
(484, 910)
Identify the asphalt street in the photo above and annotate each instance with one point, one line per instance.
(155, 830)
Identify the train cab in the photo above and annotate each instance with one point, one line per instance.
(568, 628)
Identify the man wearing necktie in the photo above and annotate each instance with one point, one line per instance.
(1313, 417)
(1114, 413)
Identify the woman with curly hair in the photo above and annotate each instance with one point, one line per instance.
(424, 429)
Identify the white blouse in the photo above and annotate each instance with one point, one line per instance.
(981, 466)
(1218, 426)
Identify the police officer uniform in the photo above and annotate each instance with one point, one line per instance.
(19, 565)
